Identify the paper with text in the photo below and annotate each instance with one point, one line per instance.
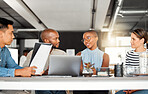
(41, 57)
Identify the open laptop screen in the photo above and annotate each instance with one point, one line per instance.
(64, 65)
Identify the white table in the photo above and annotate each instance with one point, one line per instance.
(73, 83)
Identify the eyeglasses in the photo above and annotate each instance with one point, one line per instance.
(87, 38)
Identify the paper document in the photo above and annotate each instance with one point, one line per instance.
(41, 57)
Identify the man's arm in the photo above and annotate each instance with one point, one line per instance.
(15, 70)
(5, 72)
(25, 72)
(105, 62)
(11, 72)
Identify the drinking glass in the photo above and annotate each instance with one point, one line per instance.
(130, 71)
(143, 63)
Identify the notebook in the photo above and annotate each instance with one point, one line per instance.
(64, 65)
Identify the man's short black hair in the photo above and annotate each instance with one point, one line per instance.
(4, 23)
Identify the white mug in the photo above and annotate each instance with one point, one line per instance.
(70, 52)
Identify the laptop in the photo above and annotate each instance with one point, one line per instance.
(64, 65)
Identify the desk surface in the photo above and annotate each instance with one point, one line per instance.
(73, 83)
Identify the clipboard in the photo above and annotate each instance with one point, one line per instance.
(40, 55)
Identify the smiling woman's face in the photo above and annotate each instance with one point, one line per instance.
(135, 41)
(90, 40)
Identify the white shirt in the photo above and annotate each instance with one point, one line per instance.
(22, 60)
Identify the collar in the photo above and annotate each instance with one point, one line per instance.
(93, 50)
(1, 49)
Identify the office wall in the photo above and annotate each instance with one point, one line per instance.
(14, 54)
(71, 40)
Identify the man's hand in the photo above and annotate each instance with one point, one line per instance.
(25, 72)
(40, 73)
(44, 72)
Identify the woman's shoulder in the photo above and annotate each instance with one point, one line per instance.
(58, 52)
(82, 52)
(6, 50)
(85, 50)
(130, 52)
